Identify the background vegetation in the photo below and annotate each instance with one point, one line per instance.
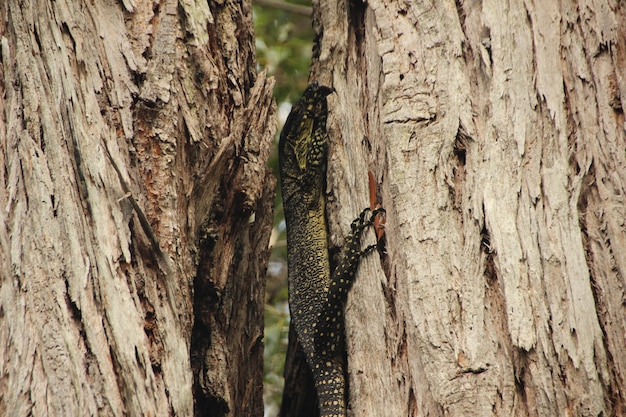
(284, 39)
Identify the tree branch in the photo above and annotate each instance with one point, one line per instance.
(288, 7)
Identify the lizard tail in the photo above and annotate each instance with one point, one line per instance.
(330, 386)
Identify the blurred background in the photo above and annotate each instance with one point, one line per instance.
(284, 40)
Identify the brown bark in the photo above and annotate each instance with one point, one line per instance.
(133, 138)
(496, 134)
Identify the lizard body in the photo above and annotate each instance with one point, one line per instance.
(316, 297)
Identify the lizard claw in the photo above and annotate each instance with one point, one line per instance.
(362, 222)
(377, 212)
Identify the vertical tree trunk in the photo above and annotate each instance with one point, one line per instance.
(133, 143)
(496, 134)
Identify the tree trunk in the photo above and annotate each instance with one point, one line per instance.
(495, 132)
(134, 138)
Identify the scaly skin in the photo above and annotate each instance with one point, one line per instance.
(316, 297)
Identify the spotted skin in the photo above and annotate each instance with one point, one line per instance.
(316, 297)
(330, 323)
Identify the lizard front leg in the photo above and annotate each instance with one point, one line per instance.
(329, 326)
(343, 275)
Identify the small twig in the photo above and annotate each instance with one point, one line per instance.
(288, 7)
(380, 218)
(143, 220)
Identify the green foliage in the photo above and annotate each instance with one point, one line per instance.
(284, 42)
(276, 330)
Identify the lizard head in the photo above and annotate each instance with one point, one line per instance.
(303, 141)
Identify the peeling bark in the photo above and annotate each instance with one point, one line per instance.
(134, 138)
(496, 135)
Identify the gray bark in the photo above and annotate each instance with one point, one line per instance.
(496, 134)
(133, 144)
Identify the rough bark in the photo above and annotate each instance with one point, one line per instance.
(496, 134)
(133, 141)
